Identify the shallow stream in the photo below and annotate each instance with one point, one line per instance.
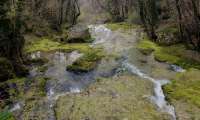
(63, 82)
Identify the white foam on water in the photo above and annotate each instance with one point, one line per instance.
(100, 32)
(36, 55)
(16, 107)
(75, 90)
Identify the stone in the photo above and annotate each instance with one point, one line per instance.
(78, 34)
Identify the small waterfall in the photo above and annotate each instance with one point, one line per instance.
(101, 33)
(159, 97)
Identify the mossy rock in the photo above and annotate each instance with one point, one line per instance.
(48, 44)
(146, 51)
(86, 63)
(78, 34)
(6, 69)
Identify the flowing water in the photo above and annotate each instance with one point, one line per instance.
(63, 82)
(105, 36)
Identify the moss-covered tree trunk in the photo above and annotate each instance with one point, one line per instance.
(11, 40)
(149, 16)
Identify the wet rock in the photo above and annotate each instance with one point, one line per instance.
(176, 68)
(78, 34)
(146, 51)
(6, 69)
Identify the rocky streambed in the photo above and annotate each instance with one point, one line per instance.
(125, 84)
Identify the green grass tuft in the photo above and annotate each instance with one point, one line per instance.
(185, 87)
(6, 116)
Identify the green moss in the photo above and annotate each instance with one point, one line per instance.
(6, 116)
(42, 68)
(36, 89)
(17, 92)
(36, 110)
(122, 25)
(86, 63)
(14, 89)
(146, 46)
(174, 54)
(45, 44)
(39, 61)
(169, 29)
(118, 98)
(185, 87)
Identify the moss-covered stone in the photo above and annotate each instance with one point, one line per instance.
(79, 34)
(6, 69)
(47, 44)
(184, 94)
(87, 62)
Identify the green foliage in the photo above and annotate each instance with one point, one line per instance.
(185, 87)
(5, 115)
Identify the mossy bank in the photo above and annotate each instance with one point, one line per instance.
(184, 94)
(175, 54)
